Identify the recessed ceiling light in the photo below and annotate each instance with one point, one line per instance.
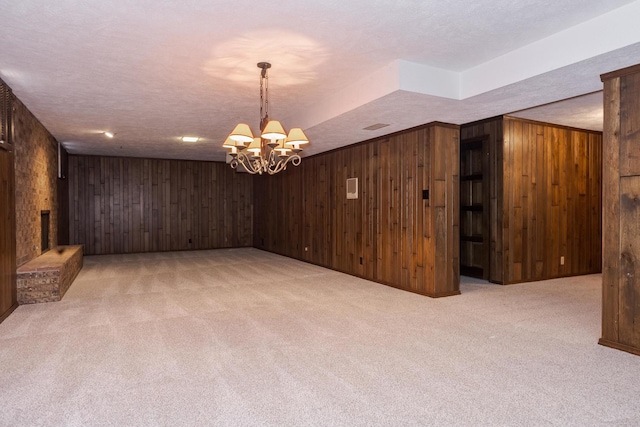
(109, 134)
(190, 139)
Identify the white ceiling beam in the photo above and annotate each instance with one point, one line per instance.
(605, 33)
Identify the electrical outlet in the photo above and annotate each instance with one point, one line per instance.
(561, 260)
(306, 248)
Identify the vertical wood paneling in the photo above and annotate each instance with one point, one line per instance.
(611, 210)
(492, 130)
(126, 205)
(63, 197)
(552, 206)
(629, 297)
(8, 293)
(389, 234)
(545, 199)
(621, 216)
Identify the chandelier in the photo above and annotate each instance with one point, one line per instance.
(273, 149)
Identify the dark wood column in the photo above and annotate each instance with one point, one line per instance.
(8, 295)
(621, 216)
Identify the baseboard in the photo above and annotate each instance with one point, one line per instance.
(442, 294)
(424, 293)
(618, 346)
(8, 312)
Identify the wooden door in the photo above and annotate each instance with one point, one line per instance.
(8, 296)
(474, 207)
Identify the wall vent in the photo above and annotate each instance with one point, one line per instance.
(376, 126)
(352, 188)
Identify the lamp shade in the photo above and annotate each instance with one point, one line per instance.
(229, 143)
(296, 137)
(241, 133)
(273, 130)
(255, 146)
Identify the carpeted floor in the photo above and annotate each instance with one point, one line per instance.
(244, 337)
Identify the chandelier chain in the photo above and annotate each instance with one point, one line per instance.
(264, 98)
(261, 101)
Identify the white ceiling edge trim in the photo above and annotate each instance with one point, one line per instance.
(397, 75)
(610, 31)
(429, 80)
(381, 82)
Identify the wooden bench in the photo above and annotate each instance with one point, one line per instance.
(48, 277)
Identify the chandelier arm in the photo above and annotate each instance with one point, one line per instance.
(246, 162)
(260, 165)
(294, 159)
(257, 165)
(277, 167)
(271, 160)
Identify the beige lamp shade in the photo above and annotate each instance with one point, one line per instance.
(230, 143)
(241, 133)
(255, 146)
(296, 138)
(273, 130)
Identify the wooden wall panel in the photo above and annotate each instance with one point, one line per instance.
(621, 217)
(545, 190)
(126, 205)
(492, 130)
(389, 234)
(552, 201)
(8, 292)
(63, 197)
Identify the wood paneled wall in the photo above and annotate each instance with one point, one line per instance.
(125, 205)
(63, 196)
(8, 291)
(492, 130)
(621, 185)
(389, 234)
(552, 201)
(545, 199)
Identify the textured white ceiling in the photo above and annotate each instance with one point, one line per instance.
(584, 112)
(152, 71)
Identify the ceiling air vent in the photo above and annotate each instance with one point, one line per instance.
(376, 126)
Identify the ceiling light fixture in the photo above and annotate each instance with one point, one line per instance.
(109, 134)
(273, 149)
(190, 139)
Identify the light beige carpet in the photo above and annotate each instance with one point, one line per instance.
(245, 337)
